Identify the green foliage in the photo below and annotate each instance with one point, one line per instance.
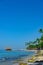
(41, 30)
(37, 44)
(32, 46)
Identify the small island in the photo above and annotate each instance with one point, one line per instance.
(8, 49)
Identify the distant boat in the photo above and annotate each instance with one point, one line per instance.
(8, 49)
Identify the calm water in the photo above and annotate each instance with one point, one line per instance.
(13, 55)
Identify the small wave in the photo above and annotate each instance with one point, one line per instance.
(3, 59)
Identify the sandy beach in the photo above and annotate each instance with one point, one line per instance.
(23, 60)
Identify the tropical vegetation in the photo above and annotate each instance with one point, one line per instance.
(37, 44)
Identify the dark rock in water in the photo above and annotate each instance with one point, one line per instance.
(39, 62)
(8, 49)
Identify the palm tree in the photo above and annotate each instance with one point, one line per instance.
(41, 31)
(41, 39)
(38, 42)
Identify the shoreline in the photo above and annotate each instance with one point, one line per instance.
(22, 59)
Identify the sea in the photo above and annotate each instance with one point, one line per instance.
(8, 56)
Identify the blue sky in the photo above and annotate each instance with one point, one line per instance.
(20, 21)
